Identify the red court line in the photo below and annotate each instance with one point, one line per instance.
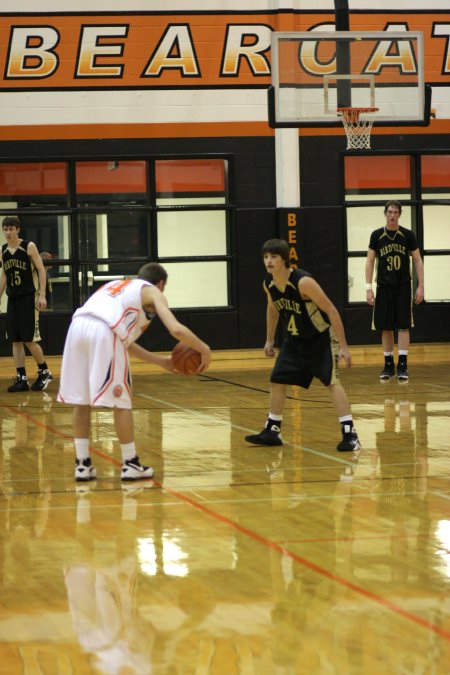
(260, 539)
(55, 432)
(386, 604)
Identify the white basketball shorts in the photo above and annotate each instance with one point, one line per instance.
(95, 367)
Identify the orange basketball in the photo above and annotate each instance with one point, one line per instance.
(185, 359)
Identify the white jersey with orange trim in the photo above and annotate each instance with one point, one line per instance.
(118, 303)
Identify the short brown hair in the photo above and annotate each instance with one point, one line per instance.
(11, 221)
(393, 202)
(278, 247)
(152, 272)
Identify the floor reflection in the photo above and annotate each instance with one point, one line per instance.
(232, 561)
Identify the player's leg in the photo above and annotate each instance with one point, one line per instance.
(383, 319)
(403, 348)
(327, 370)
(132, 469)
(21, 381)
(271, 434)
(350, 440)
(44, 376)
(14, 333)
(387, 339)
(84, 471)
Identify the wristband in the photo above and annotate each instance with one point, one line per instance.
(368, 287)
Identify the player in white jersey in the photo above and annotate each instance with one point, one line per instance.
(95, 369)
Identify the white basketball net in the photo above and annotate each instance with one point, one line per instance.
(357, 129)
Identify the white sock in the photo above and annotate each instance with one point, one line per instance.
(128, 451)
(82, 448)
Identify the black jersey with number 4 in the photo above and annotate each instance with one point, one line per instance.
(20, 271)
(393, 249)
(302, 318)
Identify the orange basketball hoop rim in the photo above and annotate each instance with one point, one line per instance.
(352, 114)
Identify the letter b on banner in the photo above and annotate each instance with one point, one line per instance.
(289, 227)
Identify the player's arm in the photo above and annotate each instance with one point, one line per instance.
(418, 264)
(309, 289)
(272, 316)
(36, 258)
(150, 357)
(370, 263)
(154, 300)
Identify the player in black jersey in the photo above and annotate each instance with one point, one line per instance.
(23, 277)
(314, 343)
(392, 246)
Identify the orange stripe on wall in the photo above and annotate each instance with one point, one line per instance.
(141, 131)
(192, 130)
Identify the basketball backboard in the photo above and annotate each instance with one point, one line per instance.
(315, 73)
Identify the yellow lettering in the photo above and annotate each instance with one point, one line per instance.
(175, 52)
(32, 52)
(91, 50)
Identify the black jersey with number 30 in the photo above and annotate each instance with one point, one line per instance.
(21, 274)
(393, 249)
(302, 318)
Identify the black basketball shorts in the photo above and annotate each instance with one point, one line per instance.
(393, 308)
(299, 361)
(22, 319)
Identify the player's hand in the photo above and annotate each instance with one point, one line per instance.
(345, 354)
(418, 298)
(42, 302)
(370, 297)
(206, 359)
(268, 349)
(166, 363)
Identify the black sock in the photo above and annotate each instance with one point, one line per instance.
(42, 366)
(21, 372)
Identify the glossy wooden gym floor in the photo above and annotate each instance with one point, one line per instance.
(235, 559)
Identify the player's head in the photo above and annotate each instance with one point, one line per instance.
(277, 247)
(392, 203)
(10, 222)
(153, 272)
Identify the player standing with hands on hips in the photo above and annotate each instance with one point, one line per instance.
(24, 279)
(392, 246)
(95, 370)
(314, 343)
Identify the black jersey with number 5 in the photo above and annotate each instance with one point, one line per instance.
(20, 271)
(302, 318)
(393, 249)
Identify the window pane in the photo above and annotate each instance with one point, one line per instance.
(436, 176)
(357, 279)
(49, 232)
(436, 226)
(33, 184)
(192, 233)
(113, 235)
(197, 284)
(59, 288)
(375, 175)
(437, 277)
(182, 177)
(362, 220)
(118, 183)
